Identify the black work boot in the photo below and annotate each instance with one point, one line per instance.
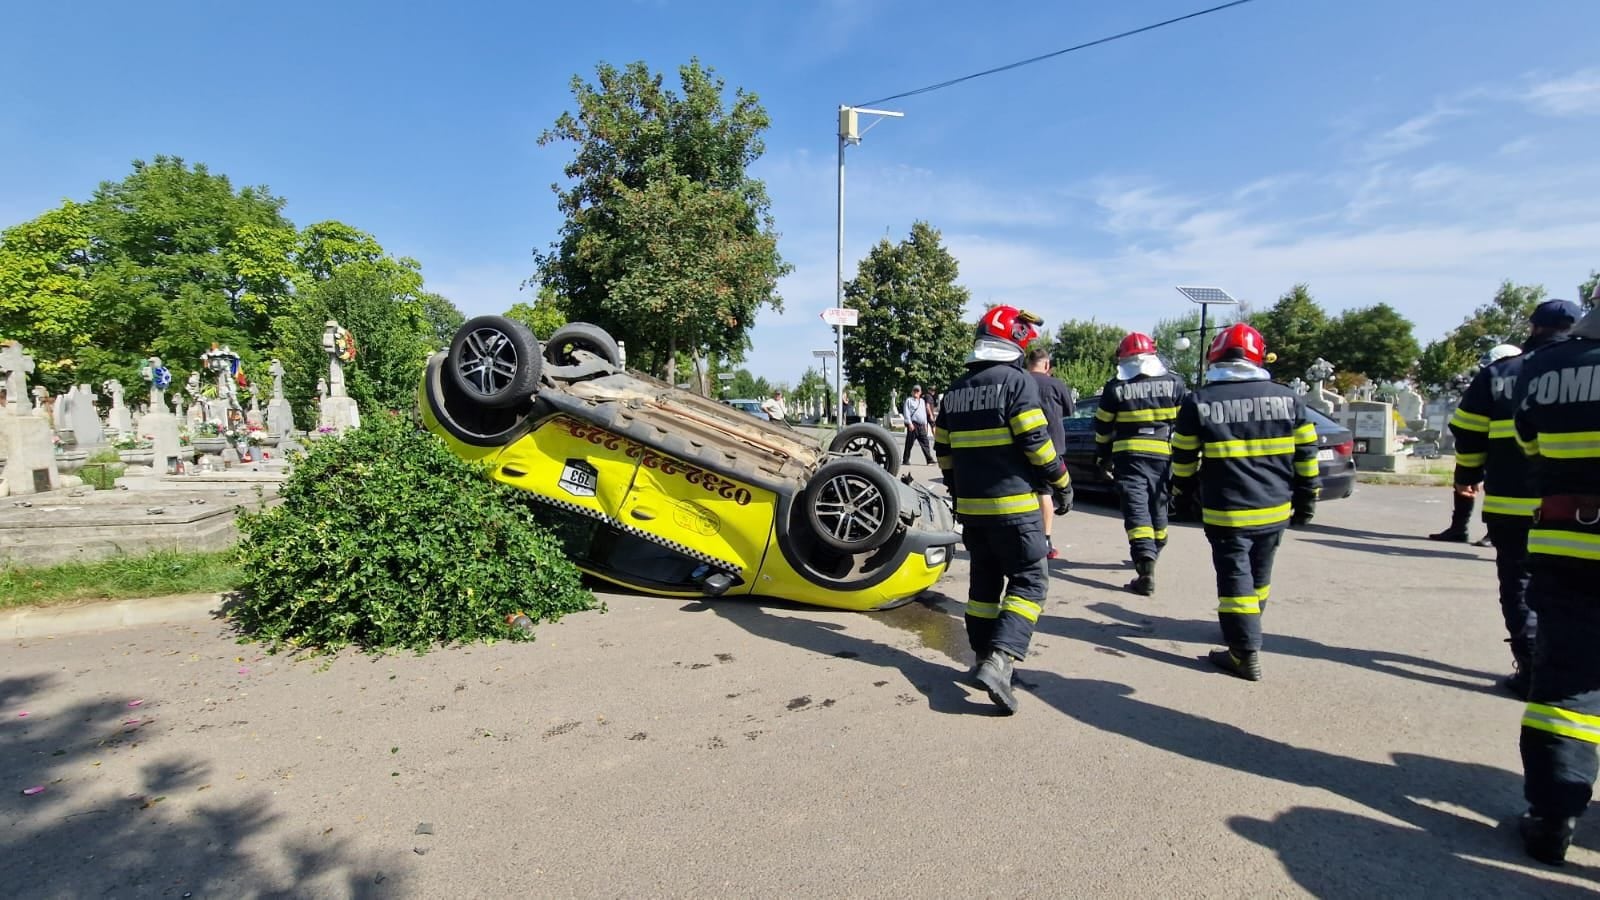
(1244, 664)
(1459, 516)
(1546, 838)
(1452, 535)
(994, 673)
(1145, 583)
(1517, 683)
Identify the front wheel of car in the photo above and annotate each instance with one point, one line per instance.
(868, 441)
(852, 505)
(495, 361)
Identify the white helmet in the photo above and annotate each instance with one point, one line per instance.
(1499, 352)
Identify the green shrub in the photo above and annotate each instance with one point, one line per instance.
(102, 469)
(386, 540)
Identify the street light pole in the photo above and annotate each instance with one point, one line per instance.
(849, 133)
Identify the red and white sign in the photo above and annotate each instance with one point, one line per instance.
(838, 315)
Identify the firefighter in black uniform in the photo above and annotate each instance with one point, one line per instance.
(1133, 441)
(1259, 475)
(1558, 425)
(1486, 452)
(1466, 497)
(994, 450)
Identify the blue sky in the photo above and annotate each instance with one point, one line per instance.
(1414, 153)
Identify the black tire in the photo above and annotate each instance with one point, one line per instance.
(868, 441)
(581, 336)
(495, 361)
(852, 505)
(468, 422)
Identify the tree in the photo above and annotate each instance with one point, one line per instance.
(1441, 366)
(1586, 290)
(1375, 341)
(1295, 328)
(912, 328)
(547, 313)
(45, 296)
(1187, 363)
(1084, 354)
(668, 243)
(443, 319)
(744, 386)
(1503, 320)
(813, 388)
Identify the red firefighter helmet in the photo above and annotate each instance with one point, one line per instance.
(1136, 344)
(1008, 323)
(1238, 341)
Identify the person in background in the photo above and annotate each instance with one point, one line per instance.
(918, 429)
(1056, 401)
(1466, 495)
(773, 406)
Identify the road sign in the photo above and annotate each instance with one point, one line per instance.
(839, 315)
(823, 354)
(725, 376)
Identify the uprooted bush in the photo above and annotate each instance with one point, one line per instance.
(386, 540)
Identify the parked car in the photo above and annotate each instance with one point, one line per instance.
(753, 407)
(1335, 452)
(671, 493)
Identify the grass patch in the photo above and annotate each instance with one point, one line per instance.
(121, 578)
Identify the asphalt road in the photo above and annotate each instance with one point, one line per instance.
(742, 749)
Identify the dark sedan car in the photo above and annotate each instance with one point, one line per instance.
(1335, 452)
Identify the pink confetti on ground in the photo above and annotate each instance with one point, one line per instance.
(23, 714)
(133, 703)
(29, 792)
(133, 722)
(244, 670)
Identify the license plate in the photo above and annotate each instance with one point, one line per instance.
(1325, 456)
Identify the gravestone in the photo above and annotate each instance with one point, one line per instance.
(338, 410)
(1317, 397)
(25, 440)
(1409, 404)
(168, 452)
(280, 415)
(41, 402)
(1377, 443)
(85, 419)
(118, 420)
(252, 416)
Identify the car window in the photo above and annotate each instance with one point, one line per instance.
(1086, 408)
(1322, 422)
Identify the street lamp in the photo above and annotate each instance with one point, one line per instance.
(826, 355)
(1207, 297)
(850, 132)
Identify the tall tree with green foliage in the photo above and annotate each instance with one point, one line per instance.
(1375, 341)
(668, 242)
(1084, 354)
(1503, 320)
(1586, 290)
(912, 326)
(1188, 363)
(1296, 329)
(46, 301)
(544, 315)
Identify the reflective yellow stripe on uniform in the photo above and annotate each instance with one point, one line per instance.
(1263, 592)
(1161, 534)
(1529, 448)
(1306, 434)
(1141, 531)
(1147, 415)
(1252, 447)
(1025, 608)
(1104, 415)
(980, 610)
(1246, 518)
(981, 437)
(1043, 455)
(941, 435)
(997, 506)
(1186, 441)
(1501, 429)
(1142, 445)
(1100, 438)
(1027, 420)
(1564, 722)
(1510, 506)
(1472, 460)
(1469, 421)
(1574, 544)
(1571, 445)
(1307, 468)
(1185, 470)
(1245, 606)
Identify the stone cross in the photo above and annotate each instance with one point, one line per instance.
(1299, 387)
(276, 371)
(322, 389)
(16, 364)
(40, 395)
(158, 402)
(330, 344)
(117, 417)
(114, 389)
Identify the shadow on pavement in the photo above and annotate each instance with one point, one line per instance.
(937, 683)
(1339, 853)
(85, 835)
(1338, 531)
(1386, 550)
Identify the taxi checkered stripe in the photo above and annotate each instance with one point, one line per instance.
(639, 533)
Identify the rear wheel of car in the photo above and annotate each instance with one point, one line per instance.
(495, 361)
(558, 351)
(869, 441)
(852, 505)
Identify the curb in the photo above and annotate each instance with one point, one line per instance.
(1417, 479)
(108, 615)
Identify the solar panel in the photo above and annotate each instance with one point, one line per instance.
(1207, 295)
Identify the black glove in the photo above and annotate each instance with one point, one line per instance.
(1063, 499)
(1305, 509)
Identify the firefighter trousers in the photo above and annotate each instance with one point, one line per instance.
(1007, 591)
(1510, 538)
(1243, 560)
(1143, 486)
(1561, 724)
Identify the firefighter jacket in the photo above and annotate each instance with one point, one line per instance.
(994, 447)
(1136, 415)
(1558, 427)
(1486, 440)
(1253, 449)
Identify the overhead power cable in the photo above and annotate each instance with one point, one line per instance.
(1031, 60)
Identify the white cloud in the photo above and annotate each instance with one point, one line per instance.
(1577, 94)
(1412, 134)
